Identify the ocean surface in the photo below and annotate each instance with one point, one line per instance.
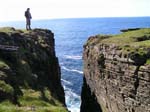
(70, 36)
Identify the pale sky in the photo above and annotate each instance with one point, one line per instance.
(11, 10)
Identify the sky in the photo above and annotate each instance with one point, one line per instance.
(13, 10)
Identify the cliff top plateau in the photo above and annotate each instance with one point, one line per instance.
(134, 43)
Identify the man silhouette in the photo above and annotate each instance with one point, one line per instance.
(28, 19)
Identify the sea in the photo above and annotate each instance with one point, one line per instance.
(70, 36)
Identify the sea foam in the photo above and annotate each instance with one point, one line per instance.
(66, 82)
(72, 100)
(73, 57)
(72, 70)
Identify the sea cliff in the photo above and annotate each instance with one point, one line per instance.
(117, 72)
(30, 78)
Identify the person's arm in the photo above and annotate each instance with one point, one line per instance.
(25, 14)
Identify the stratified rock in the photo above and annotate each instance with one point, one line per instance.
(117, 71)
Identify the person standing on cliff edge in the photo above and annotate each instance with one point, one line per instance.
(28, 19)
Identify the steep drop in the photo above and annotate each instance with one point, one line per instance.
(117, 71)
(30, 78)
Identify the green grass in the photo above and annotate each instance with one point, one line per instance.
(39, 100)
(7, 106)
(32, 101)
(3, 64)
(6, 29)
(6, 87)
(32, 98)
(136, 42)
(131, 38)
(12, 30)
(148, 62)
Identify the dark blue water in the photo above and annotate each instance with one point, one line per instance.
(70, 35)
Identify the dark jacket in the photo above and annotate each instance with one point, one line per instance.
(28, 15)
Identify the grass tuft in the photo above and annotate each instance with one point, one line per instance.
(6, 87)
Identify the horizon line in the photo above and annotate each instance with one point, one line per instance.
(75, 18)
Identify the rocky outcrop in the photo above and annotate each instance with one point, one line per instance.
(29, 71)
(117, 71)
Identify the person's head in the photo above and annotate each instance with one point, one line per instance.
(28, 9)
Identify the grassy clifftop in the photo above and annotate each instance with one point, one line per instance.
(134, 43)
(136, 38)
(29, 72)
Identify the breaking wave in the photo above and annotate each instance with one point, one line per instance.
(72, 70)
(66, 82)
(73, 57)
(72, 100)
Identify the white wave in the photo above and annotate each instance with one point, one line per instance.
(72, 70)
(70, 93)
(66, 82)
(73, 57)
(61, 63)
(74, 109)
(72, 100)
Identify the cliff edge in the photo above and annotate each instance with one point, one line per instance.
(117, 72)
(30, 78)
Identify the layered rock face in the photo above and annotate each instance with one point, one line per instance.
(29, 72)
(117, 71)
